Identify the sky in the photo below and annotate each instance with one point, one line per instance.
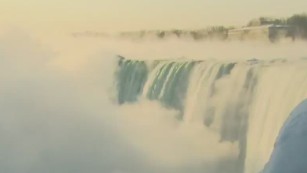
(126, 15)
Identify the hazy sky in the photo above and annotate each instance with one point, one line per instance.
(117, 15)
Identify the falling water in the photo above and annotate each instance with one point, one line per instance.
(241, 102)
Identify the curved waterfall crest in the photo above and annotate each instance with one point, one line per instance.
(243, 102)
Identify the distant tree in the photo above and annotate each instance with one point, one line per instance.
(254, 22)
(266, 21)
(299, 22)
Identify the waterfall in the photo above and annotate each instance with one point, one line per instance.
(242, 102)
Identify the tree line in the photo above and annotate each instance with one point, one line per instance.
(298, 22)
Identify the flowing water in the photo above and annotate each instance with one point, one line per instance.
(61, 113)
(241, 102)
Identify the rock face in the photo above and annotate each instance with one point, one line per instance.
(290, 152)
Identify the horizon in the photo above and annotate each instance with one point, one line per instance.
(137, 15)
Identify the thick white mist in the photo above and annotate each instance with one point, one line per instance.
(58, 114)
(60, 118)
